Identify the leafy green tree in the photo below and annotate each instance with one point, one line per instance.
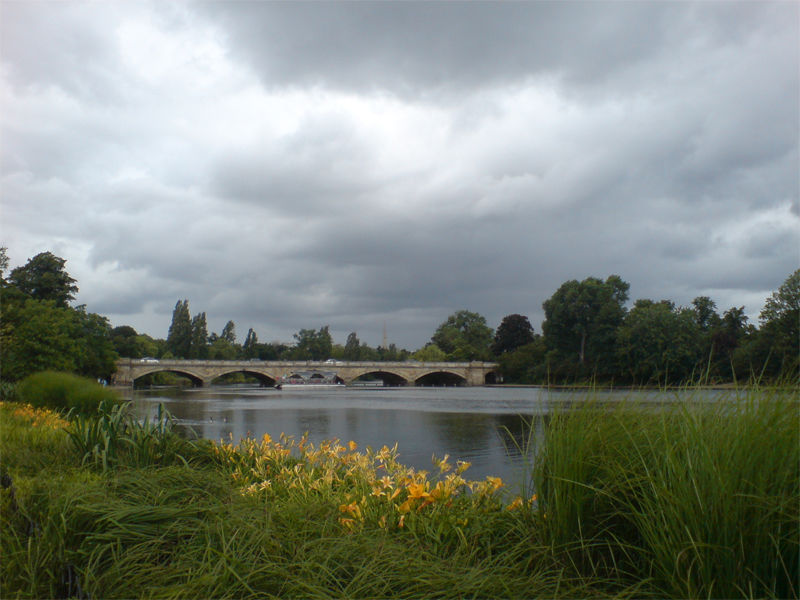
(38, 335)
(96, 355)
(198, 346)
(430, 353)
(706, 312)
(179, 338)
(514, 331)
(44, 278)
(726, 337)
(524, 364)
(581, 321)
(464, 336)
(222, 349)
(229, 332)
(249, 348)
(352, 347)
(313, 345)
(659, 344)
(124, 339)
(780, 328)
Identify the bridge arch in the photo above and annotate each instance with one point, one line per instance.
(386, 375)
(265, 379)
(441, 377)
(197, 380)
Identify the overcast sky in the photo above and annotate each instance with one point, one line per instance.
(293, 165)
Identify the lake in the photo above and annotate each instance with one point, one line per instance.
(483, 425)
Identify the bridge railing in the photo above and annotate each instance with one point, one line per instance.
(303, 363)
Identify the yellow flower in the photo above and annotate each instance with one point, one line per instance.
(405, 506)
(417, 490)
(495, 482)
(515, 504)
(352, 445)
(462, 466)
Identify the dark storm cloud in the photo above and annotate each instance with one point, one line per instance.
(291, 165)
(424, 47)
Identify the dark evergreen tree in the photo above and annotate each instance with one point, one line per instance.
(514, 331)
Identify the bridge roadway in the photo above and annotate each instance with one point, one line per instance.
(203, 372)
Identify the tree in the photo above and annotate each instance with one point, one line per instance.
(313, 345)
(3, 263)
(524, 364)
(96, 356)
(430, 353)
(780, 327)
(514, 331)
(581, 320)
(659, 344)
(249, 347)
(464, 336)
(229, 332)
(38, 335)
(706, 312)
(198, 346)
(352, 347)
(44, 278)
(179, 338)
(124, 340)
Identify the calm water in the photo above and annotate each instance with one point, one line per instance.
(484, 426)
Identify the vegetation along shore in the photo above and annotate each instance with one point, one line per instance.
(696, 500)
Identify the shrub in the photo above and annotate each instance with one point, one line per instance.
(64, 391)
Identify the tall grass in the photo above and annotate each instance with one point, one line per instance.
(701, 499)
(64, 391)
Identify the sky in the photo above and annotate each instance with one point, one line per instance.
(365, 165)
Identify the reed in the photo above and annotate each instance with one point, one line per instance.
(701, 499)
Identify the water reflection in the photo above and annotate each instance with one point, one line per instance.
(490, 427)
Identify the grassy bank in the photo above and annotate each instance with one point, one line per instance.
(699, 500)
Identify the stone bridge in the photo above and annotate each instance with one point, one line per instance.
(204, 372)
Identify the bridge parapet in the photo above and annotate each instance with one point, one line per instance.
(202, 372)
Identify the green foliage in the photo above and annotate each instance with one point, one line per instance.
(702, 500)
(525, 364)
(429, 353)
(312, 345)
(44, 278)
(179, 337)
(352, 347)
(659, 344)
(37, 335)
(198, 347)
(780, 326)
(249, 348)
(229, 332)
(64, 391)
(464, 336)
(113, 437)
(514, 331)
(581, 321)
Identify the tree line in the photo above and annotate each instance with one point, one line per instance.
(588, 334)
